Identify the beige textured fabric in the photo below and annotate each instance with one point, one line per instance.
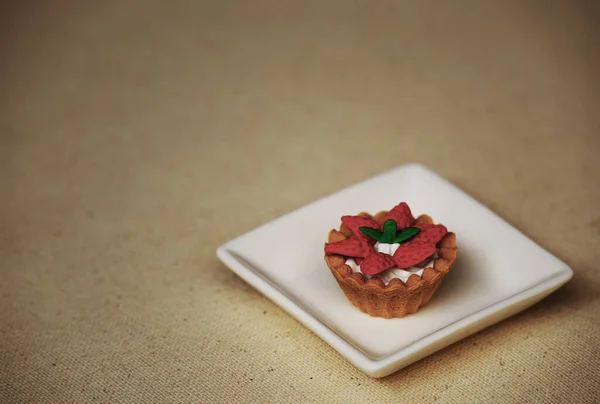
(137, 137)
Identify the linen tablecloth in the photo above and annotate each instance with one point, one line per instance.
(136, 137)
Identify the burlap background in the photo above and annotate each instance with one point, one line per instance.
(136, 137)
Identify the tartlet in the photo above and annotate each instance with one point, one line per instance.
(431, 244)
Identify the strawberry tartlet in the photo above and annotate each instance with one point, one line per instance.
(390, 264)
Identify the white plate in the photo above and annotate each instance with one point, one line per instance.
(498, 272)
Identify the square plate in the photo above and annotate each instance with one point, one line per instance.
(498, 271)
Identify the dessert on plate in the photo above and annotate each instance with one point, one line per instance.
(390, 264)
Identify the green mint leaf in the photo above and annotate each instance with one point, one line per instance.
(389, 231)
(373, 233)
(406, 234)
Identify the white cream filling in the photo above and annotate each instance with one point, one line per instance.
(388, 249)
(389, 274)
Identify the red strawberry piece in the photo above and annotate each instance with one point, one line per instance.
(354, 223)
(402, 215)
(375, 263)
(411, 253)
(430, 233)
(351, 247)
